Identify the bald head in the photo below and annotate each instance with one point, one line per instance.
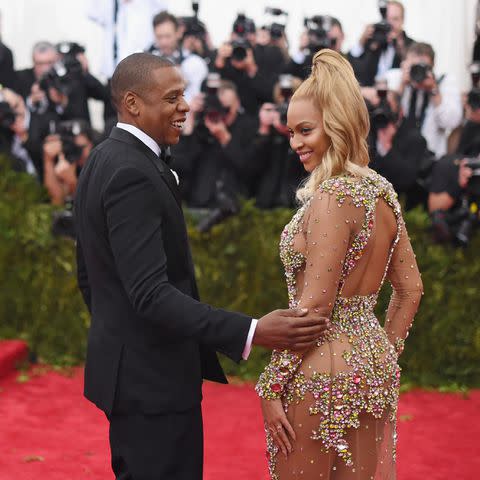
(135, 73)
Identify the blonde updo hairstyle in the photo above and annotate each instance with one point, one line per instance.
(334, 90)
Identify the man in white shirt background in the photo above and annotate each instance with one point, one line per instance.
(169, 44)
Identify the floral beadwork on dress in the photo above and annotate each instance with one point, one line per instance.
(371, 380)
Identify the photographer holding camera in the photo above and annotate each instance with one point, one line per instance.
(432, 105)
(252, 68)
(64, 155)
(382, 46)
(215, 146)
(321, 31)
(15, 140)
(455, 181)
(277, 172)
(194, 68)
(398, 153)
(60, 81)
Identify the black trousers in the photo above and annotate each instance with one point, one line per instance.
(157, 447)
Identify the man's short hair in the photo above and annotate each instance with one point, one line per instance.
(421, 48)
(228, 85)
(134, 73)
(164, 17)
(42, 47)
(336, 22)
(399, 5)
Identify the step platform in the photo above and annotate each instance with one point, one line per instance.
(12, 354)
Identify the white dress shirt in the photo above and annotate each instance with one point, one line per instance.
(439, 120)
(385, 62)
(155, 148)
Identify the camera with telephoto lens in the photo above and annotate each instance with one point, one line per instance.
(419, 72)
(61, 74)
(241, 27)
(286, 91)
(381, 29)
(468, 214)
(214, 111)
(67, 131)
(228, 205)
(276, 29)
(63, 224)
(192, 25)
(318, 27)
(473, 98)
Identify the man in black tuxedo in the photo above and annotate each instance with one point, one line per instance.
(151, 341)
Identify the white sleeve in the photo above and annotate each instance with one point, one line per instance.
(357, 50)
(194, 70)
(448, 115)
(248, 343)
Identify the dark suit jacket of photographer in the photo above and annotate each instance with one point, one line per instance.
(200, 161)
(151, 341)
(366, 66)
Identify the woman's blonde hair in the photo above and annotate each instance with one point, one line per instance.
(336, 93)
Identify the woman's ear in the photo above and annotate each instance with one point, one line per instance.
(131, 103)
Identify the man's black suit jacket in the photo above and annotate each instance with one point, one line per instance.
(150, 341)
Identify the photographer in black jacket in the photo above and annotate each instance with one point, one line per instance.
(452, 176)
(215, 144)
(382, 46)
(278, 171)
(252, 68)
(398, 152)
(60, 81)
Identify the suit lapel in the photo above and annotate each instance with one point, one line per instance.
(159, 164)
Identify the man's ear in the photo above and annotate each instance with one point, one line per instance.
(131, 102)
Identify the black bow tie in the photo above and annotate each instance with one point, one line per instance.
(165, 155)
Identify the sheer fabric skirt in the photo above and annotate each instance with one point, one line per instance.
(342, 403)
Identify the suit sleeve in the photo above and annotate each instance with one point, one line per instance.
(82, 277)
(133, 209)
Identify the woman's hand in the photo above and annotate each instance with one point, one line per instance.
(278, 425)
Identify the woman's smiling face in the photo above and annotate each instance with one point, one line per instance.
(307, 136)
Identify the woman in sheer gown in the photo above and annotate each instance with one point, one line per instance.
(330, 412)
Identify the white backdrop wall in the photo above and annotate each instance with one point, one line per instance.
(447, 24)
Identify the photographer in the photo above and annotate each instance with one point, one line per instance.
(15, 140)
(64, 155)
(382, 46)
(194, 68)
(278, 171)
(60, 81)
(450, 187)
(432, 105)
(398, 152)
(7, 73)
(252, 68)
(215, 146)
(320, 32)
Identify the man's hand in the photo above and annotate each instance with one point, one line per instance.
(219, 131)
(37, 95)
(52, 147)
(366, 35)
(464, 174)
(267, 117)
(66, 174)
(278, 425)
(290, 329)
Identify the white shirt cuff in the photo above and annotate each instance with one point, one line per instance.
(357, 50)
(248, 344)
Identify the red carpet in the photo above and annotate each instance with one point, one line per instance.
(48, 431)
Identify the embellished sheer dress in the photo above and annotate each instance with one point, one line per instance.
(341, 396)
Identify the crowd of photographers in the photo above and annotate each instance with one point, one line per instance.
(425, 132)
